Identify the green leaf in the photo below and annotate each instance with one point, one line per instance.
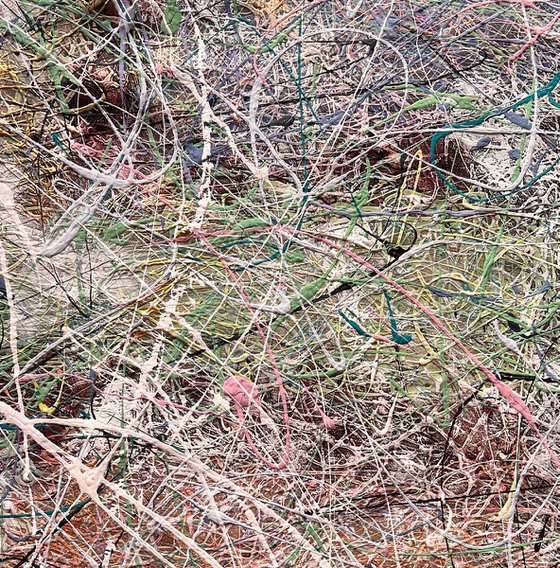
(307, 292)
(173, 16)
(249, 224)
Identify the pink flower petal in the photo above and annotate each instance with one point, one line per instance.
(329, 423)
(242, 390)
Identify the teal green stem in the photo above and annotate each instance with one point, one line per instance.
(400, 339)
